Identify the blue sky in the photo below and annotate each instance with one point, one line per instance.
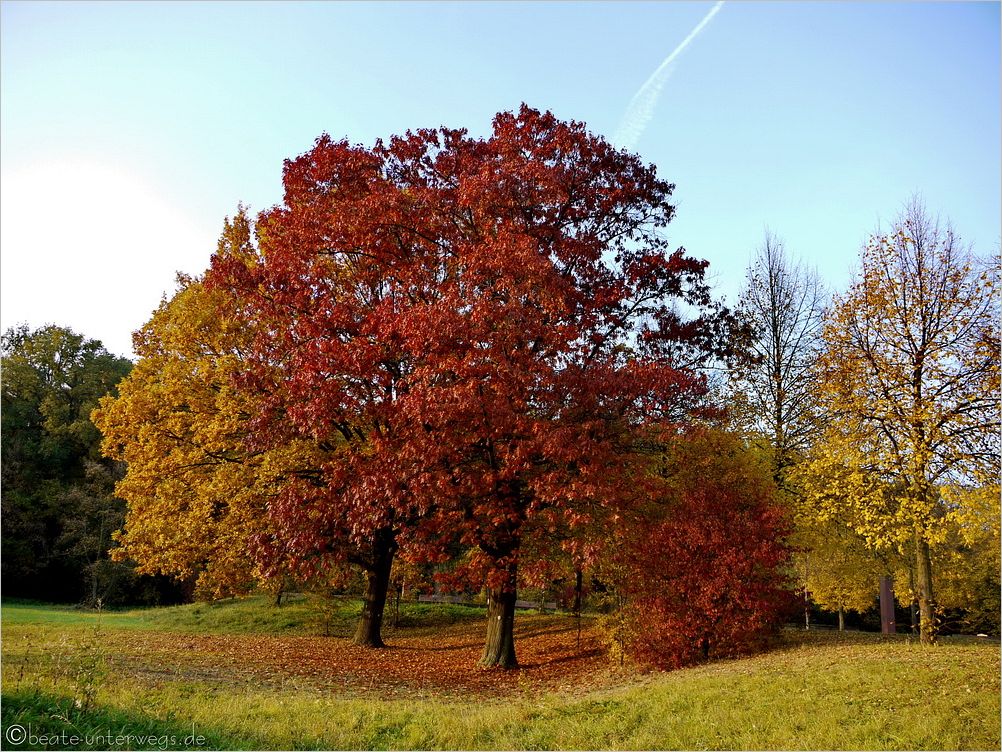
(129, 130)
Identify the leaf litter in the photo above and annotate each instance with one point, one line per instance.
(551, 659)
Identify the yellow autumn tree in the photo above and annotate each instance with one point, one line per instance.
(839, 571)
(910, 382)
(968, 562)
(195, 496)
(838, 509)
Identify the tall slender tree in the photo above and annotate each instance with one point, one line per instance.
(784, 302)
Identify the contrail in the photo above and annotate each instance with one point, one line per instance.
(641, 108)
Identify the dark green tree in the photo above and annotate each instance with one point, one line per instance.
(58, 509)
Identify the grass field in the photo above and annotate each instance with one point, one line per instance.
(244, 675)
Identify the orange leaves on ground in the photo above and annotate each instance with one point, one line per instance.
(549, 654)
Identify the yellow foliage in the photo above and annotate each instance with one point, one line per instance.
(909, 381)
(838, 570)
(195, 495)
(969, 561)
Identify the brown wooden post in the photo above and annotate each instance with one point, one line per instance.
(887, 625)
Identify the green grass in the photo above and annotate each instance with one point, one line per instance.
(253, 615)
(26, 612)
(244, 616)
(819, 691)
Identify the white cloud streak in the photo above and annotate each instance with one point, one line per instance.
(641, 108)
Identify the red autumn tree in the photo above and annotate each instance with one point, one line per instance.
(320, 371)
(476, 329)
(706, 564)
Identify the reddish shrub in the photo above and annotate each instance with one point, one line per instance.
(707, 573)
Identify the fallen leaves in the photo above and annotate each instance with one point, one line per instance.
(550, 657)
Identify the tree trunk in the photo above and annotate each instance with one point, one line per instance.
(913, 606)
(397, 594)
(499, 650)
(370, 623)
(923, 581)
(807, 599)
(94, 569)
(93, 586)
(841, 619)
(578, 582)
(888, 624)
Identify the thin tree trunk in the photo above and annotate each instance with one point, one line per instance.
(841, 619)
(94, 568)
(913, 606)
(398, 592)
(923, 581)
(621, 628)
(499, 649)
(370, 622)
(807, 600)
(578, 582)
(93, 586)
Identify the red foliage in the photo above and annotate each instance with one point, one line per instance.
(472, 330)
(709, 577)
